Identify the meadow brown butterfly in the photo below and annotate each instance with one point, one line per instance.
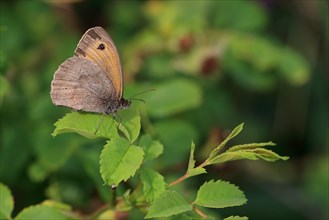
(91, 80)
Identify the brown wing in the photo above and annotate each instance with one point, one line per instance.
(96, 45)
(82, 85)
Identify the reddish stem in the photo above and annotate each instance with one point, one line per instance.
(180, 179)
(203, 215)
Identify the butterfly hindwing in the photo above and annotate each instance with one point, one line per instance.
(82, 85)
(96, 45)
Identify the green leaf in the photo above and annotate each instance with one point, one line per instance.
(56, 205)
(196, 171)
(157, 67)
(130, 123)
(219, 194)
(182, 217)
(294, 68)
(191, 171)
(154, 184)
(251, 61)
(6, 202)
(247, 76)
(239, 15)
(151, 148)
(107, 214)
(250, 154)
(37, 172)
(268, 155)
(169, 203)
(86, 124)
(41, 212)
(234, 133)
(119, 160)
(191, 162)
(262, 59)
(236, 218)
(174, 96)
(250, 146)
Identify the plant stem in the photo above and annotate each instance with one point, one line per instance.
(180, 179)
(203, 215)
(204, 163)
(114, 196)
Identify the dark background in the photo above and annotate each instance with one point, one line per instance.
(261, 62)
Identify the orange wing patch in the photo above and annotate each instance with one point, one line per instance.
(97, 46)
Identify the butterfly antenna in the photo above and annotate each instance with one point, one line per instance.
(141, 100)
(149, 90)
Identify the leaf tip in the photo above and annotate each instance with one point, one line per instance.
(270, 143)
(285, 158)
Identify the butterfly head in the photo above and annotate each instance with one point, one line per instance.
(113, 107)
(125, 103)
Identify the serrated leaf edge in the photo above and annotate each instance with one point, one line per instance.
(237, 130)
(250, 146)
(102, 159)
(11, 198)
(147, 216)
(220, 181)
(148, 179)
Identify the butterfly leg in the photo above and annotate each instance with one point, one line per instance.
(120, 119)
(99, 124)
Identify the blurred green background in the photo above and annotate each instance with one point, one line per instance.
(213, 64)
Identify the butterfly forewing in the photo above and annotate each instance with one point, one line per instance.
(97, 46)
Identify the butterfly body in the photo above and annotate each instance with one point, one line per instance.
(91, 80)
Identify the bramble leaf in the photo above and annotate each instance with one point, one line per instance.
(191, 170)
(6, 202)
(151, 148)
(250, 146)
(236, 218)
(219, 194)
(119, 160)
(174, 96)
(37, 172)
(41, 212)
(153, 184)
(167, 204)
(293, 67)
(234, 133)
(86, 124)
(57, 205)
(196, 171)
(129, 123)
(107, 214)
(191, 162)
(250, 154)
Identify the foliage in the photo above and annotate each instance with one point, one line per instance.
(122, 159)
(210, 65)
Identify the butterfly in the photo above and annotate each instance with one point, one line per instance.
(91, 80)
